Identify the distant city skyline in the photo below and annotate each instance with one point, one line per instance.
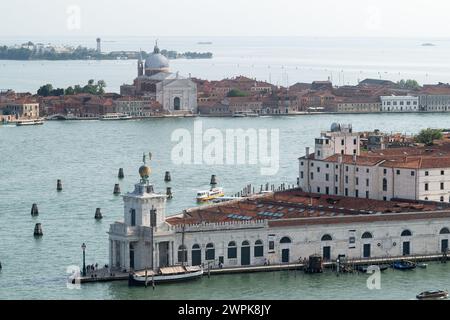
(350, 18)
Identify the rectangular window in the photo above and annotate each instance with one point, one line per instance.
(357, 181)
(346, 179)
(442, 186)
(327, 166)
(301, 163)
(384, 199)
(232, 253)
(318, 169)
(357, 193)
(384, 171)
(398, 172)
(354, 142)
(312, 175)
(413, 173)
(318, 189)
(342, 142)
(426, 173)
(367, 194)
(367, 182)
(367, 170)
(346, 168)
(327, 177)
(271, 245)
(442, 172)
(336, 178)
(426, 186)
(327, 190)
(357, 169)
(346, 192)
(336, 190)
(301, 174)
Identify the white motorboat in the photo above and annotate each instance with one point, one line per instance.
(115, 116)
(35, 122)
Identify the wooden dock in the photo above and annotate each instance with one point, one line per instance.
(107, 276)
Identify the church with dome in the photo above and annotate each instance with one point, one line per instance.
(155, 82)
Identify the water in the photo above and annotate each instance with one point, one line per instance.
(86, 156)
(281, 60)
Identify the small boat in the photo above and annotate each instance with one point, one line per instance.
(239, 115)
(36, 122)
(382, 267)
(433, 295)
(253, 115)
(115, 116)
(164, 275)
(404, 265)
(422, 265)
(208, 195)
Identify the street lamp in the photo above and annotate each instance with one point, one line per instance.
(83, 247)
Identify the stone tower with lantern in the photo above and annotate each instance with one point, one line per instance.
(132, 245)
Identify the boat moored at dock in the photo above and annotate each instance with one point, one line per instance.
(165, 275)
(115, 116)
(404, 265)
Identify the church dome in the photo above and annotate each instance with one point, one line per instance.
(156, 61)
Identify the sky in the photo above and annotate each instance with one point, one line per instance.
(314, 18)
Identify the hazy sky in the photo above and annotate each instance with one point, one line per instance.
(225, 18)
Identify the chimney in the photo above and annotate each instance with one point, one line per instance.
(307, 152)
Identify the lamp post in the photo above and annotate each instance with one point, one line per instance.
(83, 247)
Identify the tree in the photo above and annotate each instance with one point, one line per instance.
(45, 90)
(69, 91)
(236, 93)
(428, 136)
(408, 84)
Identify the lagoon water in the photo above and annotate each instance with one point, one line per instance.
(86, 156)
(281, 60)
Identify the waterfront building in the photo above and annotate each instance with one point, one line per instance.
(272, 228)
(434, 102)
(359, 105)
(21, 109)
(137, 107)
(339, 167)
(399, 104)
(175, 93)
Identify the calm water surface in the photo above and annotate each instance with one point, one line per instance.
(86, 155)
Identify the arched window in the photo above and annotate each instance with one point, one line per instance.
(327, 237)
(196, 247)
(182, 254)
(177, 103)
(406, 233)
(444, 231)
(232, 250)
(259, 249)
(285, 240)
(210, 252)
(245, 243)
(367, 235)
(384, 184)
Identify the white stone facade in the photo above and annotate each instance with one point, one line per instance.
(399, 104)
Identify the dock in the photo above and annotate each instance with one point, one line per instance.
(105, 275)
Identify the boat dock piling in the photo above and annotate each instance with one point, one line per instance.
(167, 177)
(213, 181)
(34, 210)
(38, 230)
(169, 193)
(121, 174)
(98, 214)
(116, 189)
(59, 185)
